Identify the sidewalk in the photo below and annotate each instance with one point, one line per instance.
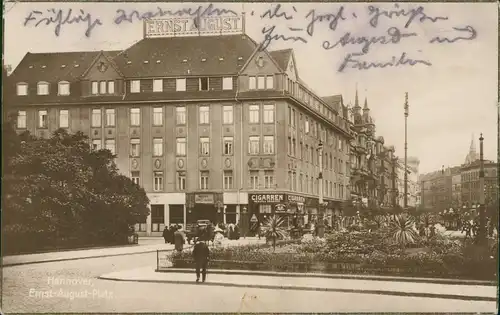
(277, 281)
(16, 260)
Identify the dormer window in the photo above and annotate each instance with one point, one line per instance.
(261, 82)
(43, 88)
(227, 83)
(180, 85)
(135, 86)
(103, 87)
(158, 85)
(63, 88)
(22, 89)
(203, 84)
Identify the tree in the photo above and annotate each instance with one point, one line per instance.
(60, 191)
(273, 229)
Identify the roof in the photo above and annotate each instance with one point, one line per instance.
(55, 67)
(282, 57)
(194, 55)
(334, 100)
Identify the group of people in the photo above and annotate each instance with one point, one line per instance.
(174, 235)
(429, 231)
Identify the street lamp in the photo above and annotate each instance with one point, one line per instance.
(320, 223)
(219, 206)
(407, 107)
(482, 219)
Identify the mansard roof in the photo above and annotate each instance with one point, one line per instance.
(181, 56)
(56, 66)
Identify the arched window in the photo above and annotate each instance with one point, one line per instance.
(43, 88)
(63, 88)
(22, 88)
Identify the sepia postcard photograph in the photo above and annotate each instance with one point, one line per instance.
(238, 157)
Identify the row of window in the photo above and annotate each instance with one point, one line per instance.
(43, 88)
(204, 182)
(311, 127)
(181, 145)
(308, 98)
(254, 114)
(310, 155)
(310, 184)
(108, 87)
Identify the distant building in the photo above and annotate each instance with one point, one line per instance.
(412, 185)
(469, 178)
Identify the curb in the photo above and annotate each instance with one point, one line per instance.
(300, 288)
(338, 276)
(79, 258)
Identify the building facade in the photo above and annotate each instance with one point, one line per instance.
(212, 127)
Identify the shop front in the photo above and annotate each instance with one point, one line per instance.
(204, 206)
(262, 206)
(295, 210)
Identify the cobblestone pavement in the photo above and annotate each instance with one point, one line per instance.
(23, 288)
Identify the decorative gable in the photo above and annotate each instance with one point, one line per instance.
(291, 70)
(260, 64)
(102, 69)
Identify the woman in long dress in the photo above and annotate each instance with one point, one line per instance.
(219, 237)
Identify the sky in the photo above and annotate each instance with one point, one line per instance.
(452, 87)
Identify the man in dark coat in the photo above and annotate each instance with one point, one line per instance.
(200, 256)
(165, 234)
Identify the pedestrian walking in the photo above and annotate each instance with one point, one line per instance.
(179, 239)
(201, 254)
(165, 234)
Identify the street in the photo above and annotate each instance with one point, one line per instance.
(19, 282)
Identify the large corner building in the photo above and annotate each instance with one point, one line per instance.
(212, 126)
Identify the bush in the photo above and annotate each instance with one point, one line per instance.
(359, 252)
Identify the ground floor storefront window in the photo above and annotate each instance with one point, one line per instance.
(157, 218)
(176, 214)
(141, 225)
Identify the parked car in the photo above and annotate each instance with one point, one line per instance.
(193, 229)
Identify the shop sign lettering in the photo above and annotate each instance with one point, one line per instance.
(204, 198)
(267, 198)
(296, 199)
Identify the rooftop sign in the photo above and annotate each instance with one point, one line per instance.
(197, 26)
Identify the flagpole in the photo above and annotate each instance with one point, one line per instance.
(406, 152)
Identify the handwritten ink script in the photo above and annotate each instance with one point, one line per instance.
(372, 15)
(59, 18)
(385, 25)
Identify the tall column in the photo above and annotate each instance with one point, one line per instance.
(184, 213)
(166, 219)
(224, 218)
(148, 222)
(238, 214)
